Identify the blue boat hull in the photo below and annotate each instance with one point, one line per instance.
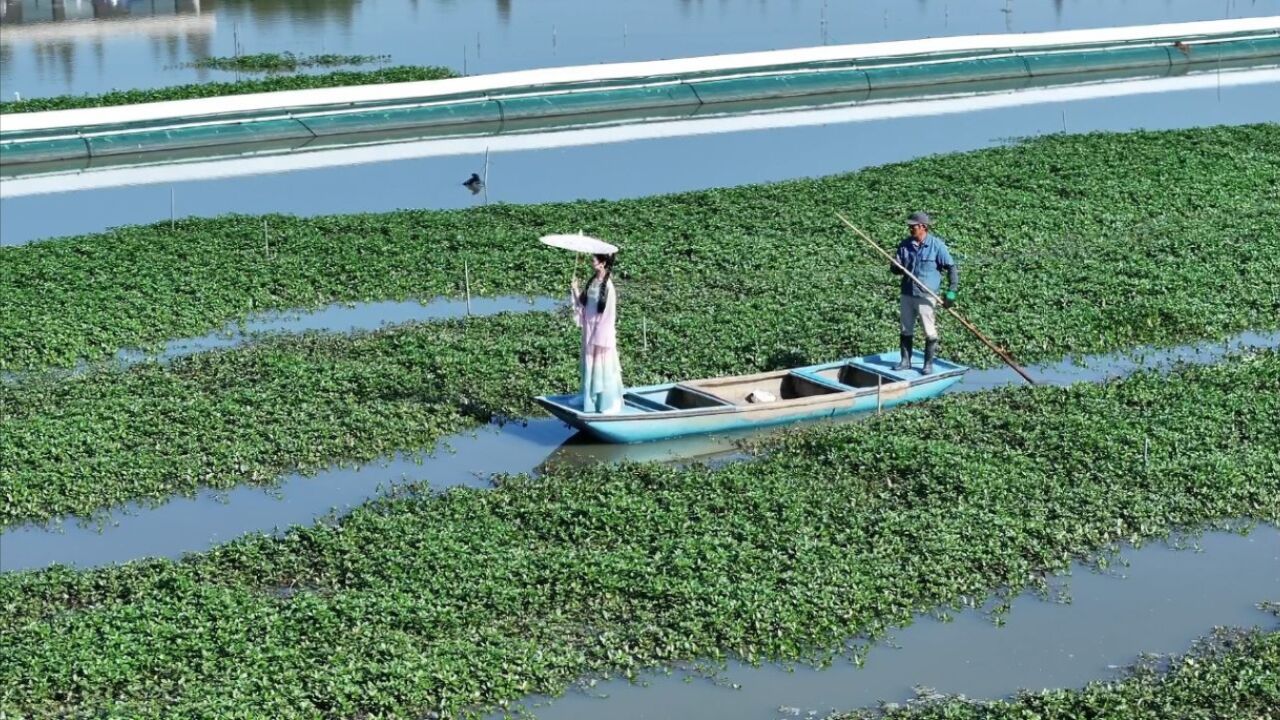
(846, 387)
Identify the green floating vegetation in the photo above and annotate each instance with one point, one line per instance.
(339, 78)
(1230, 674)
(227, 418)
(1067, 243)
(711, 283)
(284, 62)
(470, 598)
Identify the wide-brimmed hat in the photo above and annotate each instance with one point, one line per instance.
(920, 218)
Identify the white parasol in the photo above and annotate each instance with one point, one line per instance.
(579, 243)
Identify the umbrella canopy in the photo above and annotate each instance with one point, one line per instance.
(579, 243)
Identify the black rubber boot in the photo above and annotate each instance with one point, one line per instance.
(904, 346)
(930, 352)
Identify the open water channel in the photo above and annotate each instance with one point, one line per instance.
(602, 162)
(627, 160)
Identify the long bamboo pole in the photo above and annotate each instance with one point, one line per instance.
(1008, 359)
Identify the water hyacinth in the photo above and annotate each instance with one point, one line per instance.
(1090, 243)
(461, 600)
(284, 62)
(762, 277)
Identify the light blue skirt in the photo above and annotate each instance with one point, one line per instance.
(601, 382)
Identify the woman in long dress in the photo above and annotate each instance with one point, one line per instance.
(595, 311)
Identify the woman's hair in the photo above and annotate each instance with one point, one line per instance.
(607, 260)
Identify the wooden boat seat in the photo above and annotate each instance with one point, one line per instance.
(784, 385)
(854, 376)
(675, 397)
(645, 403)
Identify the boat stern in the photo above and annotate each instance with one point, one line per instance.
(883, 364)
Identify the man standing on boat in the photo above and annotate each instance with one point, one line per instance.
(925, 256)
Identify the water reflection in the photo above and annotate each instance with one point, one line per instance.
(61, 30)
(56, 57)
(566, 32)
(19, 12)
(341, 12)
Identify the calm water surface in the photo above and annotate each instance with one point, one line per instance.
(334, 318)
(620, 162)
(50, 47)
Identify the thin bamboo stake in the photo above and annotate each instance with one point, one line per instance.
(466, 277)
(485, 180)
(1008, 359)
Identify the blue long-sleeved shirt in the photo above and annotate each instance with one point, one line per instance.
(926, 261)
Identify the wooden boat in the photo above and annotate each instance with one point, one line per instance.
(843, 387)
